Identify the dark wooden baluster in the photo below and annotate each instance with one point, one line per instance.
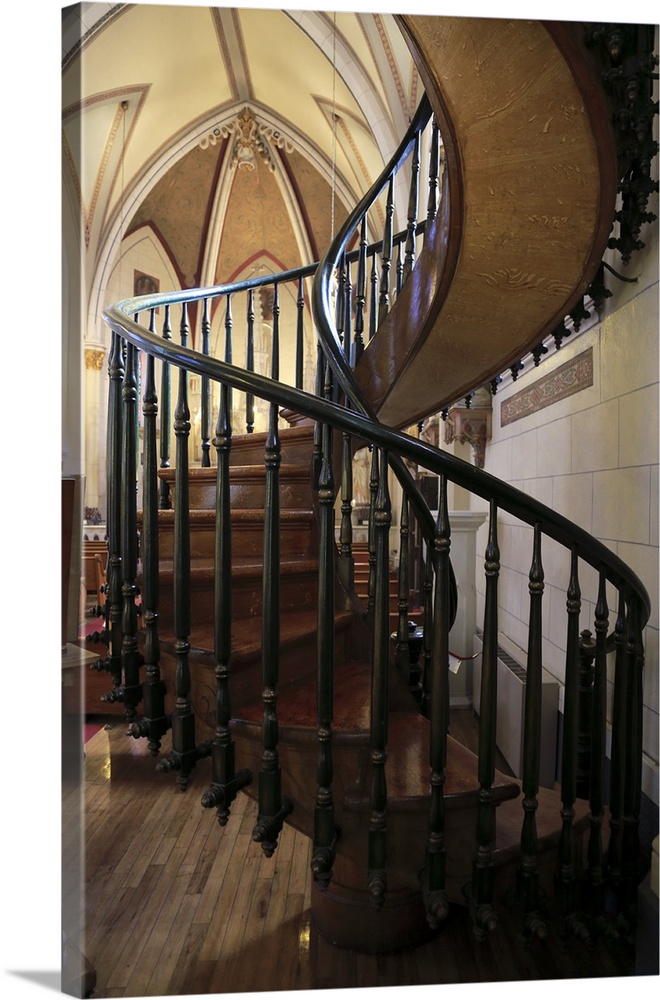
(433, 876)
(595, 855)
(402, 655)
(373, 297)
(377, 878)
(384, 297)
(249, 362)
(371, 535)
(319, 382)
(325, 834)
(273, 808)
(131, 692)
(399, 268)
(585, 712)
(154, 723)
(184, 754)
(528, 868)
(425, 704)
(413, 198)
(229, 326)
(360, 292)
(300, 334)
(632, 799)
(618, 751)
(206, 391)
(481, 889)
(113, 475)
(566, 870)
(345, 564)
(432, 205)
(165, 502)
(340, 303)
(348, 314)
(225, 781)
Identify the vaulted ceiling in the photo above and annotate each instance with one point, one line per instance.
(231, 134)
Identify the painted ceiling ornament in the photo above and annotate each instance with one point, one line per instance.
(249, 142)
(252, 138)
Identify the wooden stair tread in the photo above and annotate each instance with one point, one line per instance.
(408, 748)
(296, 707)
(548, 824)
(295, 626)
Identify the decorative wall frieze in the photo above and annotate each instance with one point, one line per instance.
(571, 377)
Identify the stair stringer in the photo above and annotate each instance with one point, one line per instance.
(528, 202)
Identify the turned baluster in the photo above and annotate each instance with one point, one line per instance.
(413, 198)
(184, 753)
(205, 415)
(633, 761)
(432, 204)
(300, 334)
(377, 878)
(131, 691)
(399, 268)
(566, 869)
(225, 781)
(249, 362)
(373, 297)
(384, 297)
(154, 723)
(481, 890)
(595, 856)
(348, 314)
(319, 381)
(345, 565)
(425, 703)
(360, 292)
(371, 535)
(340, 304)
(433, 876)
(273, 808)
(585, 712)
(229, 325)
(618, 751)
(325, 833)
(402, 655)
(165, 502)
(528, 875)
(113, 476)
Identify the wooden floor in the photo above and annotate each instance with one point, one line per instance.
(175, 904)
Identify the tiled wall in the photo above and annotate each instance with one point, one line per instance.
(592, 456)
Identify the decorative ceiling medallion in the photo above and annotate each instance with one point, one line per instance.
(252, 138)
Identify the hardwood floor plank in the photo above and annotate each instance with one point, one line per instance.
(226, 898)
(176, 904)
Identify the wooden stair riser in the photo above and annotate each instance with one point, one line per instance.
(297, 533)
(296, 444)
(247, 487)
(407, 819)
(297, 663)
(298, 591)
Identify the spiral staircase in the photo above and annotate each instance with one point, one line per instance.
(236, 638)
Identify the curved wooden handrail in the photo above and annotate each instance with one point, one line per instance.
(482, 484)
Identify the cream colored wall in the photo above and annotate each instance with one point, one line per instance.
(593, 457)
(142, 252)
